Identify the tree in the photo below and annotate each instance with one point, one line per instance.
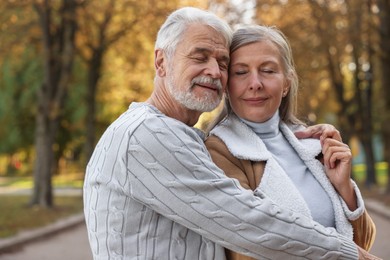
(103, 24)
(18, 85)
(20, 71)
(58, 26)
(384, 54)
(331, 38)
(356, 106)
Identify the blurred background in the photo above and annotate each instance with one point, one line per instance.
(68, 68)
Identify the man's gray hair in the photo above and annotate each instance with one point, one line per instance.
(171, 32)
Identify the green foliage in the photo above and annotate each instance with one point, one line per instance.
(21, 77)
(72, 126)
(64, 180)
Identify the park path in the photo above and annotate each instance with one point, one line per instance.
(70, 244)
(381, 247)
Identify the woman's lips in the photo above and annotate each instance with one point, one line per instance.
(255, 100)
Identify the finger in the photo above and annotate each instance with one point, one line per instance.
(339, 157)
(330, 133)
(332, 146)
(314, 131)
(332, 142)
(335, 154)
(308, 132)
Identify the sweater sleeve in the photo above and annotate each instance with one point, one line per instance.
(233, 168)
(353, 215)
(171, 172)
(364, 230)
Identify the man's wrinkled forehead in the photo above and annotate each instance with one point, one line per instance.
(201, 38)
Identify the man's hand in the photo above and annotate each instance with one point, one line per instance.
(320, 131)
(364, 255)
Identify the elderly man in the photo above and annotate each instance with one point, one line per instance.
(151, 189)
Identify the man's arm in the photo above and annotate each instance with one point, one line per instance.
(175, 176)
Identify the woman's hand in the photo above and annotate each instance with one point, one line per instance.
(337, 159)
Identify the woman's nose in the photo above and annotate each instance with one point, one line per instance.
(255, 83)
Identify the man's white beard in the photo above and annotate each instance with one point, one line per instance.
(207, 102)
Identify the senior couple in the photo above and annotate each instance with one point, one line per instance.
(157, 188)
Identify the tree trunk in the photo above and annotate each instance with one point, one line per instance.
(58, 53)
(367, 123)
(359, 27)
(370, 160)
(42, 192)
(94, 72)
(366, 133)
(384, 30)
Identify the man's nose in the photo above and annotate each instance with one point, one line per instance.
(213, 69)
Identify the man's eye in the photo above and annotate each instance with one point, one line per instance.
(200, 58)
(223, 66)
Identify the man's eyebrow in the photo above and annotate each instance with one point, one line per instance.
(225, 58)
(222, 58)
(200, 50)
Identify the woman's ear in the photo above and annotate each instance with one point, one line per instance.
(286, 88)
(285, 91)
(159, 62)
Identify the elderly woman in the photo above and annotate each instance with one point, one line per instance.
(253, 140)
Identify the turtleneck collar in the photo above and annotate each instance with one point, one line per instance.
(267, 129)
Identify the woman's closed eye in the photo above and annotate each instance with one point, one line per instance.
(240, 72)
(268, 71)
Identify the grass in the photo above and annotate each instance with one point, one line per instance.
(16, 216)
(59, 181)
(359, 173)
(378, 192)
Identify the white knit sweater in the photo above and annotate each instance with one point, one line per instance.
(152, 192)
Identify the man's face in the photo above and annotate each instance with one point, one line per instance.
(197, 74)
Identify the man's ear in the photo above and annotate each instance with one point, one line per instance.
(160, 62)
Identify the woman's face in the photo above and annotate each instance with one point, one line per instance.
(257, 82)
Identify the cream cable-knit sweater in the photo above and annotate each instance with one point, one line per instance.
(151, 191)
